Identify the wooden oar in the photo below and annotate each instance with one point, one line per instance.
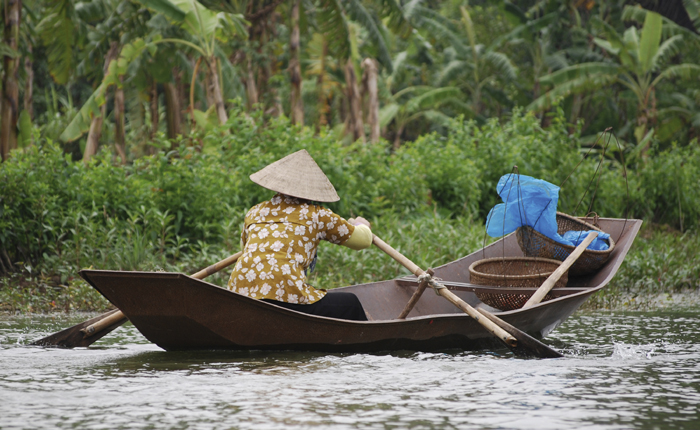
(549, 283)
(518, 341)
(88, 332)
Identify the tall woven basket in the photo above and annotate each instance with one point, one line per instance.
(535, 244)
(517, 272)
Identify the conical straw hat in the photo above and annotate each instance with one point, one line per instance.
(297, 175)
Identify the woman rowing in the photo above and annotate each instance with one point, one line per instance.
(281, 235)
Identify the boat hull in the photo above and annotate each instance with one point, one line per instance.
(178, 312)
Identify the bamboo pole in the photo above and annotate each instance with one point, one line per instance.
(549, 283)
(489, 325)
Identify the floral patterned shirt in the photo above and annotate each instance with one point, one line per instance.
(279, 239)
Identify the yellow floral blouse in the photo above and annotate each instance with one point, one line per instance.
(280, 238)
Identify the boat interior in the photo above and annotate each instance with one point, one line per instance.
(385, 300)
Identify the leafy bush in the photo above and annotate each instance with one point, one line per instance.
(182, 209)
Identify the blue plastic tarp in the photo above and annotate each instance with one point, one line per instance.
(532, 202)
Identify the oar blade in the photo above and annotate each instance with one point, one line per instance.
(527, 346)
(72, 337)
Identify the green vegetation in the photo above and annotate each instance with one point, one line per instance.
(128, 128)
(181, 209)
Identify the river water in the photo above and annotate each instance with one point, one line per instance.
(622, 370)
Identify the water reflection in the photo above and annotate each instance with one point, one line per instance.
(622, 370)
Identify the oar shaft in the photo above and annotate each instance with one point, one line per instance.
(115, 317)
(461, 304)
(549, 283)
(489, 325)
(218, 266)
(396, 255)
(103, 323)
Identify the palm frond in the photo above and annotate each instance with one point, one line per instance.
(417, 13)
(57, 31)
(168, 9)
(693, 9)
(397, 20)
(432, 99)
(361, 15)
(556, 61)
(650, 40)
(451, 71)
(668, 49)
(525, 31)
(499, 61)
(334, 26)
(580, 71)
(637, 14)
(387, 114)
(577, 85)
(460, 107)
(446, 35)
(681, 71)
(81, 122)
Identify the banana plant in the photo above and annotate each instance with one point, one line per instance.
(205, 27)
(415, 102)
(471, 66)
(640, 62)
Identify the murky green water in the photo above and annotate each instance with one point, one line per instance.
(622, 371)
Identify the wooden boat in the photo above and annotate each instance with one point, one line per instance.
(178, 312)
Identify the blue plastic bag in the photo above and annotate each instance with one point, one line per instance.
(527, 201)
(598, 244)
(533, 202)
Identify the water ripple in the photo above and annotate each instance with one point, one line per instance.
(621, 371)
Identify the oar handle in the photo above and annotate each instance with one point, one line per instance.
(490, 326)
(117, 316)
(563, 267)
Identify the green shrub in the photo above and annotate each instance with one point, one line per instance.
(182, 209)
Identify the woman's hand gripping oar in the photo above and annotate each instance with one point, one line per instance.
(517, 340)
(88, 332)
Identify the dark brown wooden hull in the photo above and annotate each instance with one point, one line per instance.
(178, 312)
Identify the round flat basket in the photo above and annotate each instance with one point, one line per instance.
(516, 272)
(535, 244)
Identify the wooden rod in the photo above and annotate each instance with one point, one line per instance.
(103, 324)
(549, 283)
(396, 255)
(218, 266)
(416, 295)
(115, 317)
(489, 325)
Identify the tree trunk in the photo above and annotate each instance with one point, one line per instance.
(397, 138)
(295, 68)
(355, 124)
(93, 139)
(323, 107)
(10, 87)
(209, 88)
(369, 81)
(29, 83)
(172, 110)
(119, 134)
(155, 115)
(216, 90)
(251, 88)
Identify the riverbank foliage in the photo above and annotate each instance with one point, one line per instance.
(181, 209)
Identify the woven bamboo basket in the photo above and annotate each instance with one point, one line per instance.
(516, 272)
(535, 244)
